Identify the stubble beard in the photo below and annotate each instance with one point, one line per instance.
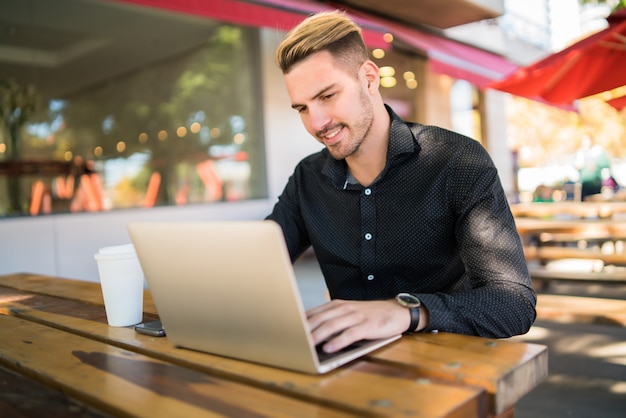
(358, 132)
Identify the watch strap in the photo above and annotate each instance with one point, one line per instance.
(415, 320)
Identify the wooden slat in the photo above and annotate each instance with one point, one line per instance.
(22, 397)
(602, 277)
(578, 209)
(368, 388)
(581, 309)
(555, 253)
(584, 228)
(500, 366)
(127, 383)
(83, 291)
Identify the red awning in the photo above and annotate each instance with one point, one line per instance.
(446, 56)
(277, 14)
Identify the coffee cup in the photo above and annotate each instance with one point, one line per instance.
(121, 280)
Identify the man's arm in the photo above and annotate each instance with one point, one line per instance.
(287, 214)
(498, 299)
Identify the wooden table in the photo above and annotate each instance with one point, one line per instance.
(59, 356)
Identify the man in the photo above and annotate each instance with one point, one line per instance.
(590, 161)
(393, 208)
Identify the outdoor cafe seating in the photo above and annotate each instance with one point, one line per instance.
(579, 243)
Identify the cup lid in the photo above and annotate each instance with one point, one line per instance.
(117, 250)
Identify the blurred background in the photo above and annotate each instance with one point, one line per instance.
(112, 111)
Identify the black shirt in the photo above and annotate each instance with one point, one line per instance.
(435, 223)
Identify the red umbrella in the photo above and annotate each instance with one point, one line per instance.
(593, 65)
(618, 103)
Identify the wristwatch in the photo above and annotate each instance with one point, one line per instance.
(413, 304)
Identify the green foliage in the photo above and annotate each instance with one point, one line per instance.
(17, 103)
(614, 4)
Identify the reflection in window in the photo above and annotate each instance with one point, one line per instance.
(177, 130)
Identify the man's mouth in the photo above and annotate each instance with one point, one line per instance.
(328, 135)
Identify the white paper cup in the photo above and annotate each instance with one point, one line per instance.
(121, 279)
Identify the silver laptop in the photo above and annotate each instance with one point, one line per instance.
(228, 288)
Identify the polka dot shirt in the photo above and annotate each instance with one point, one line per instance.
(435, 223)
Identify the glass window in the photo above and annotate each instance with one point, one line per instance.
(107, 106)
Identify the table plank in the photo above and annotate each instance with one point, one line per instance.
(581, 309)
(500, 366)
(601, 228)
(22, 397)
(123, 382)
(396, 391)
(83, 291)
(600, 277)
(557, 252)
(578, 209)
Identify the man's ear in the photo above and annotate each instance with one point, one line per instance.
(372, 74)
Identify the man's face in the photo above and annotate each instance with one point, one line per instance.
(334, 104)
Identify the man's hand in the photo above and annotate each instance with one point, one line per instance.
(342, 322)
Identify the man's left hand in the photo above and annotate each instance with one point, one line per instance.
(340, 323)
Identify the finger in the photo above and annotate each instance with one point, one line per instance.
(330, 328)
(324, 307)
(348, 336)
(339, 325)
(326, 312)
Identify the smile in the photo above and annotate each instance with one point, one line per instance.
(331, 133)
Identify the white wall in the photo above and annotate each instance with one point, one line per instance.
(498, 146)
(64, 245)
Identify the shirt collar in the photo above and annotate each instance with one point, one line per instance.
(401, 141)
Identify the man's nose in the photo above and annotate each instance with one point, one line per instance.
(319, 118)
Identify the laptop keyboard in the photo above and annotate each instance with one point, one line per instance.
(324, 356)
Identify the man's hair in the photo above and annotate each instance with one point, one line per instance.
(326, 31)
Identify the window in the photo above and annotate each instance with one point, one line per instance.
(108, 106)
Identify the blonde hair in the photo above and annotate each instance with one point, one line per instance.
(329, 31)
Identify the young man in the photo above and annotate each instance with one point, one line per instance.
(409, 223)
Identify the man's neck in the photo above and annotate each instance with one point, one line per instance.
(367, 164)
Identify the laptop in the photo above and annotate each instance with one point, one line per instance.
(228, 288)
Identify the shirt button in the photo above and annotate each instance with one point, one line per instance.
(370, 277)
(368, 192)
(368, 236)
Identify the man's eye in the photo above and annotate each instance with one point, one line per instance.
(328, 96)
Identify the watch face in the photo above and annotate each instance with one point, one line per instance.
(408, 300)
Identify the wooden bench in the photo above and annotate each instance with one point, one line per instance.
(549, 241)
(570, 233)
(608, 269)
